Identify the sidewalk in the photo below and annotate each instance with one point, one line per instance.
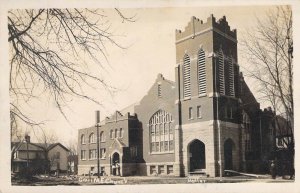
(135, 180)
(186, 180)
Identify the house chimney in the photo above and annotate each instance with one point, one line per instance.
(27, 138)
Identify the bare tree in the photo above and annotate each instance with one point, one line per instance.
(72, 146)
(46, 138)
(48, 55)
(269, 50)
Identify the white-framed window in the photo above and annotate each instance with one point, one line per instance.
(161, 169)
(102, 153)
(102, 136)
(199, 112)
(153, 170)
(169, 169)
(201, 73)
(92, 138)
(92, 154)
(82, 139)
(186, 76)
(190, 112)
(161, 132)
(82, 155)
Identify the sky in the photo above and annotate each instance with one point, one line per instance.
(150, 49)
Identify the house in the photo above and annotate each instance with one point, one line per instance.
(38, 157)
(205, 122)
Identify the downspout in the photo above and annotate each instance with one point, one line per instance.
(218, 121)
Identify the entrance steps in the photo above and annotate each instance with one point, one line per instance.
(198, 172)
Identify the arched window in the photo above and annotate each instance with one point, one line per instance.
(161, 132)
(221, 73)
(231, 76)
(201, 73)
(92, 138)
(111, 134)
(121, 133)
(82, 139)
(247, 131)
(186, 76)
(102, 136)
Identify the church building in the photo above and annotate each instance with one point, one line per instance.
(205, 122)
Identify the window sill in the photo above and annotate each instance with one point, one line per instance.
(159, 153)
(186, 98)
(202, 95)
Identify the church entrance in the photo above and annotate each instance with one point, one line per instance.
(228, 148)
(116, 164)
(197, 155)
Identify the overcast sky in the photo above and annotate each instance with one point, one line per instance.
(150, 42)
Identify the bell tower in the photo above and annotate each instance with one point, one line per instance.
(207, 97)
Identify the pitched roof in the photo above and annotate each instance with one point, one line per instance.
(22, 146)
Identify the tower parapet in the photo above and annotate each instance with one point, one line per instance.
(196, 27)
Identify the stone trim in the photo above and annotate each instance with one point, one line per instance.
(205, 31)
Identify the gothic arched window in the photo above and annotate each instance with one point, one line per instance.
(161, 132)
(247, 131)
(186, 76)
(201, 73)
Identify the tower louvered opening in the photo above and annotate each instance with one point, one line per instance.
(221, 73)
(201, 73)
(231, 77)
(186, 76)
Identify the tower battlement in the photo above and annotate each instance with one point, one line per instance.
(196, 26)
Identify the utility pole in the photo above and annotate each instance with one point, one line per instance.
(98, 143)
(261, 137)
(179, 120)
(27, 140)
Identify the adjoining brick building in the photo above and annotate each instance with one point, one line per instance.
(204, 122)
